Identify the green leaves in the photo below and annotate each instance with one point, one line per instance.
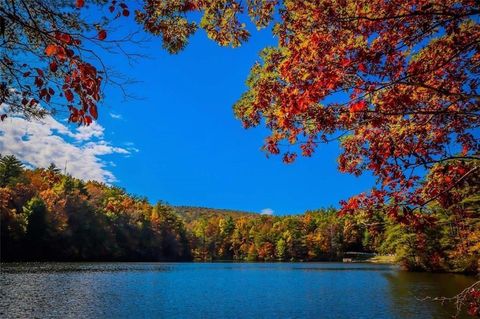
(220, 21)
(11, 170)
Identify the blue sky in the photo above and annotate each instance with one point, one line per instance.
(192, 151)
(179, 141)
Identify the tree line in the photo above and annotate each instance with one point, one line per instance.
(47, 215)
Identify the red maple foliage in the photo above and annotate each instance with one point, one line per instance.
(62, 72)
(395, 82)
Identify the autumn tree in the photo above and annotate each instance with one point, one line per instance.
(396, 83)
(50, 57)
(174, 244)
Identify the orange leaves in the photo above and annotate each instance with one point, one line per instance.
(308, 148)
(289, 158)
(58, 51)
(51, 49)
(80, 80)
(358, 106)
(336, 75)
(102, 35)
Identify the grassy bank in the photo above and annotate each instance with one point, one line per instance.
(382, 259)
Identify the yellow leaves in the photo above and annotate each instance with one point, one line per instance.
(475, 239)
(220, 21)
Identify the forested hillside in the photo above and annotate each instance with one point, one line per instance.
(190, 213)
(46, 215)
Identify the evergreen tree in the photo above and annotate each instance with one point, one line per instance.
(10, 170)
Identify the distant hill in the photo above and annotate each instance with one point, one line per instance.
(190, 213)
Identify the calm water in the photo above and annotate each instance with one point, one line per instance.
(221, 290)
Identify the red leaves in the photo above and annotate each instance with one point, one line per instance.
(40, 72)
(190, 5)
(83, 82)
(88, 120)
(68, 95)
(352, 205)
(271, 146)
(38, 82)
(289, 158)
(358, 106)
(308, 148)
(102, 35)
(51, 49)
(58, 51)
(122, 7)
(362, 68)
(473, 299)
(64, 37)
(93, 111)
(53, 66)
(357, 78)
(79, 3)
(80, 80)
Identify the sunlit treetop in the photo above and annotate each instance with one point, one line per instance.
(175, 21)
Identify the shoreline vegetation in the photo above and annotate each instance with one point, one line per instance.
(383, 259)
(50, 216)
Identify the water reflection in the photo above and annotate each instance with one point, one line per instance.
(221, 290)
(407, 290)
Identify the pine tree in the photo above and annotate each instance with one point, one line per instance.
(10, 169)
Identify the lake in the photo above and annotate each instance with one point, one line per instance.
(222, 290)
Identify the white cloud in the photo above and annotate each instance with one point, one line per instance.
(85, 133)
(266, 211)
(41, 142)
(116, 116)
